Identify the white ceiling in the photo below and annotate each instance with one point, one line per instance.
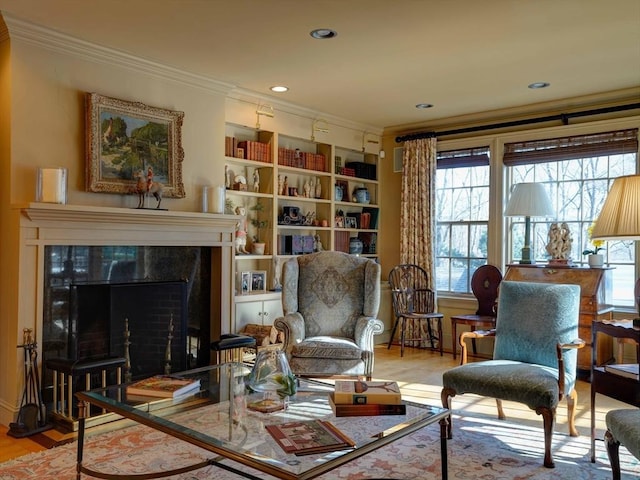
(463, 56)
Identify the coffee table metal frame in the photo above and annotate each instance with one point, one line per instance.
(222, 389)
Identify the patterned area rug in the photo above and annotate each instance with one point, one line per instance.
(482, 449)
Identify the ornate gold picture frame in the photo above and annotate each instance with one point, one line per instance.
(130, 140)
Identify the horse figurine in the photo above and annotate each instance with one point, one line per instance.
(145, 185)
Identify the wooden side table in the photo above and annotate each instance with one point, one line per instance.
(615, 386)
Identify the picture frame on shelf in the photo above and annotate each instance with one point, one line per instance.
(339, 221)
(244, 286)
(259, 281)
(350, 222)
(126, 138)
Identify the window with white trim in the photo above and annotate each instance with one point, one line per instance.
(578, 172)
(462, 217)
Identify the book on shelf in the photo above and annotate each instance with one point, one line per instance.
(628, 370)
(309, 437)
(163, 386)
(363, 392)
(365, 409)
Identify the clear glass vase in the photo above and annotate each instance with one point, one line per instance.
(271, 377)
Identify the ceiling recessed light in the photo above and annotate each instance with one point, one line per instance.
(323, 33)
(424, 105)
(279, 88)
(535, 85)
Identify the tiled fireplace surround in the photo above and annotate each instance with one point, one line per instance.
(43, 225)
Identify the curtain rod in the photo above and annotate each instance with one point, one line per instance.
(564, 117)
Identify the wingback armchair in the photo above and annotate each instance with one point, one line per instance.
(535, 354)
(330, 302)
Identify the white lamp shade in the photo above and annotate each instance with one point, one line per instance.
(529, 200)
(619, 218)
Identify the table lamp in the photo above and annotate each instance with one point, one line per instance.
(619, 218)
(528, 200)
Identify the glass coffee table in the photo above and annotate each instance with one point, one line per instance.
(216, 418)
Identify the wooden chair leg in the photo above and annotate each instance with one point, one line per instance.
(501, 414)
(445, 398)
(403, 327)
(572, 400)
(548, 418)
(613, 447)
(440, 335)
(393, 332)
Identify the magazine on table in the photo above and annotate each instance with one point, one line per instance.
(309, 437)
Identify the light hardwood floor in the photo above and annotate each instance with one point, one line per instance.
(419, 374)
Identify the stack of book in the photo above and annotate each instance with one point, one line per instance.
(353, 398)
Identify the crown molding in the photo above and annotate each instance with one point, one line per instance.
(248, 96)
(48, 39)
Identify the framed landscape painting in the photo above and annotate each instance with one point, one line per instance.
(131, 141)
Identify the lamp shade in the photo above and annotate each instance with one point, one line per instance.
(619, 218)
(529, 200)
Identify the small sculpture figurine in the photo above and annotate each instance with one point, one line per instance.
(227, 177)
(256, 180)
(560, 242)
(280, 185)
(317, 244)
(241, 232)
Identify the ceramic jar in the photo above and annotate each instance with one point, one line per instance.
(338, 193)
(355, 246)
(362, 195)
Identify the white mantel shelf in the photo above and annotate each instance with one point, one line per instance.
(50, 212)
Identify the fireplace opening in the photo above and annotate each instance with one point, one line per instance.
(91, 290)
(145, 322)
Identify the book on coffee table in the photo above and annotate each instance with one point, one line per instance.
(366, 409)
(309, 437)
(363, 392)
(163, 386)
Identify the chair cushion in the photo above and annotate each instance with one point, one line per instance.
(533, 385)
(327, 347)
(624, 425)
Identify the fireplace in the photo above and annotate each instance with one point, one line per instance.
(44, 228)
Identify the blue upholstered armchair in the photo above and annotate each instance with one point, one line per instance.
(534, 358)
(330, 302)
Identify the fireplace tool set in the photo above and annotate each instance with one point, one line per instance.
(33, 413)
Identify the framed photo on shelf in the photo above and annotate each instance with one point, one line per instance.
(339, 221)
(350, 222)
(259, 281)
(244, 281)
(129, 140)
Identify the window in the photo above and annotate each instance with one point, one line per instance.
(462, 216)
(578, 172)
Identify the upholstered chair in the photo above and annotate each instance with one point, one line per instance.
(623, 428)
(535, 354)
(330, 302)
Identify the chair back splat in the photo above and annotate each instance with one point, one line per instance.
(414, 308)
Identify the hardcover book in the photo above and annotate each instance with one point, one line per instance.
(309, 437)
(366, 409)
(362, 392)
(628, 370)
(163, 386)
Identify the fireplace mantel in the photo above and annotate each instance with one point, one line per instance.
(49, 212)
(43, 224)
